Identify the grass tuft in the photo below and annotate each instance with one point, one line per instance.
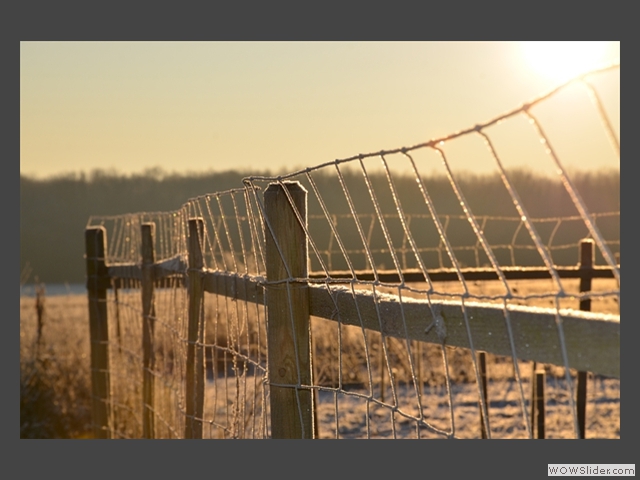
(55, 383)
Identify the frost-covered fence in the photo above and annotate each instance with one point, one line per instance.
(339, 301)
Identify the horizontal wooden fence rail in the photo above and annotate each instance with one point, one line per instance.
(593, 339)
(594, 342)
(469, 274)
(176, 267)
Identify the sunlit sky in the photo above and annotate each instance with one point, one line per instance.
(210, 106)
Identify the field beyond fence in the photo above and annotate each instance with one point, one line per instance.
(341, 301)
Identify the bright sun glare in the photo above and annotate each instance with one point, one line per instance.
(561, 61)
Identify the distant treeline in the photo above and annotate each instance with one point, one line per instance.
(54, 211)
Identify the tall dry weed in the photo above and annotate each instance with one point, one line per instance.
(55, 383)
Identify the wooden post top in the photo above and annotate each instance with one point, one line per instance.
(587, 253)
(292, 186)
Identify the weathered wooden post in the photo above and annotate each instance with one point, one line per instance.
(288, 337)
(539, 399)
(195, 351)
(532, 418)
(587, 254)
(482, 360)
(147, 231)
(97, 283)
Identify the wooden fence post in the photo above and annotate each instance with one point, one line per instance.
(587, 254)
(195, 351)
(97, 282)
(147, 231)
(532, 418)
(482, 360)
(540, 401)
(586, 261)
(288, 336)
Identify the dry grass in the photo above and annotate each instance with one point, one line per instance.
(55, 386)
(55, 372)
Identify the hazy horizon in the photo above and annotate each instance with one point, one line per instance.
(160, 173)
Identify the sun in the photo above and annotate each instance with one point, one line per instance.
(561, 61)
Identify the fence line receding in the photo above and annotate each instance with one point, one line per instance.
(348, 300)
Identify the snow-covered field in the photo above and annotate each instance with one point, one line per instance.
(358, 413)
(506, 419)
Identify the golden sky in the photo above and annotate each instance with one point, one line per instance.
(202, 106)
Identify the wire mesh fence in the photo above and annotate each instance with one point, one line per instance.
(356, 300)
